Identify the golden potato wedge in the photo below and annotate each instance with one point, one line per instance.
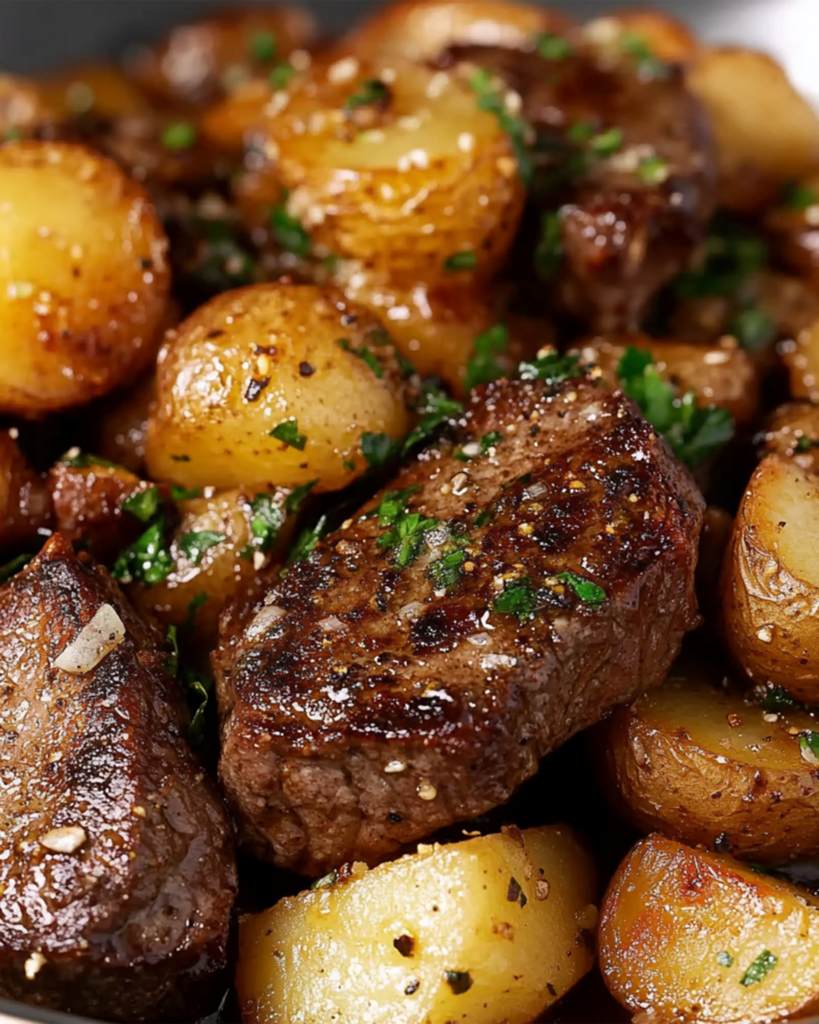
(694, 760)
(393, 166)
(198, 62)
(25, 503)
(721, 373)
(273, 384)
(694, 937)
(766, 132)
(98, 88)
(770, 580)
(667, 38)
(421, 29)
(84, 282)
(793, 430)
(255, 530)
(491, 929)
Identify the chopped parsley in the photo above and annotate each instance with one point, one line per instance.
(491, 99)
(144, 504)
(763, 965)
(262, 47)
(181, 458)
(193, 545)
(693, 433)
(372, 93)
(580, 132)
(197, 690)
(646, 64)
(377, 449)
(519, 598)
(79, 460)
(464, 260)
(148, 559)
(288, 433)
(365, 354)
(349, 465)
(13, 567)
(288, 231)
(325, 881)
(266, 520)
(179, 135)
(588, 592)
(777, 698)
(296, 497)
(435, 408)
(446, 570)
(551, 367)
(280, 76)
(798, 195)
(406, 537)
(482, 518)
(193, 607)
(652, 170)
(606, 143)
(725, 960)
(549, 248)
(172, 665)
(733, 254)
(809, 746)
(484, 365)
(553, 47)
(753, 328)
(183, 494)
(393, 505)
(306, 543)
(805, 443)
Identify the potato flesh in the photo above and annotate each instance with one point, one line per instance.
(471, 908)
(698, 762)
(791, 431)
(674, 917)
(255, 358)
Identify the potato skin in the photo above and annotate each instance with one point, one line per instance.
(788, 429)
(667, 38)
(254, 358)
(680, 928)
(489, 929)
(695, 761)
(770, 580)
(99, 88)
(121, 428)
(83, 299)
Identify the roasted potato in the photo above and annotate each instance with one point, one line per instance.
(25, 503)
(83, 297)
(691, 936)
(792, 224)
(219, 544)
(273, 384)
(198, 62)
(800, 355)
(667, 38)
(793, 430)
(721, 373)
(696, 761)
(421, 29)
(766, 132)
(491, 929)
(99, 88)
(394, 167)
(770, 580)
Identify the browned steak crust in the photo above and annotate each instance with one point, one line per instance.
(373, 710)
(133, 923)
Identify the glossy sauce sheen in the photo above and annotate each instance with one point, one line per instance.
(374, 711)
(132, 924)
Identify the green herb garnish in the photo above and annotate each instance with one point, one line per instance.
(606, 143)
(733, 255)
(288, 231)
(266, 519)
(184, 494)
(482, 518)
(262, 47)
(580, 132)
(809, 745)
(753, 329)
(549, 249)
(725, 960)
(193, 545)
(553, 47)
(393, 505)
(798, 195)
(377, 449)
(144, 504)
(519, 599)
(637, 47)
(372, 92)
(181, 458)
(306, 543)
(763, 965)
(323, 883)
(83, 461)
(148, 559)
(406, 537)
(652, 170)
(551, 367)
(179, 135)
(193, 607)
(446, 570)
(197, 690)
(172, 664)
(13, 567)
(288, 433)
(464, 260)
(484, 365)
(280, 76)
(777, 698)
(365, 354)
(435, 408)
(805, 443)
(588, 592)
(491, 99)
(296, 497)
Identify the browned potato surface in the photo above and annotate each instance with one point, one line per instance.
(770, 581)
(421, 29)
(793, 430)
(721, 373)
(84, 280)
(766, 132)
(98, 88)
(667, 38)
(694, 937)
(25, 504)
(198, 62)
(23, 105)
(801, 357)
(292, 359)
(488, 930)
(694, 760)
(394, 167)
(793, 227)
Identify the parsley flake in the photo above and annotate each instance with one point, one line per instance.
(753, 328)
(79, 460)
(365, 354)
(798, 195)
(491, 99)
(13, 567)
(193, 545)
(288, 231)
(763, 965)
(148, 559)
(406, 537)
(185, 494)
(197, 690)
(172, 664)
(446, 570)
(435, 408)
(549, 248)
(646, 64)
(607, 143)
(393, 505)
(809, 747)
(805, 443)
(588, 592)
(484, 365)
(288, 433)
(280, 76)
(653, 170)
(179, 135)
(296, 497)
(266, 519)
(193, 607)
(553, 47)
(372, 93)
(733, 254)
(725, 960)
(464, 260)
(377, 449)
(550, 367)
(307, 542)
(144, 504)
(777, 698)
(262, 47)
(519, 599)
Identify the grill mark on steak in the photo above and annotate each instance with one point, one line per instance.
(321, 708)
(132, 924)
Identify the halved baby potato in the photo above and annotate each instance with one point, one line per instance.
(96, 88)
(691, 936)
(766, 132)
(665, 37)
(84, 278)
(696, 761)
(770, 580)
(793, 430)
(495, 928)
(721, 373)
(274, 384)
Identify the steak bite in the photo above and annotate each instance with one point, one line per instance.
(117, 875)
(514, 584)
